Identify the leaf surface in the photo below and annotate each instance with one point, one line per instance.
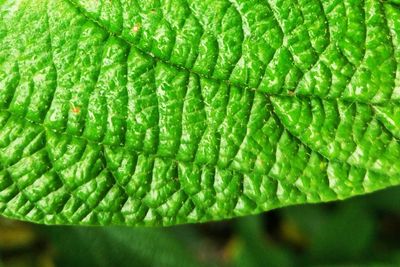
(168, 112)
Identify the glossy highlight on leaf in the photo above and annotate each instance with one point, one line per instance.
(161, 112)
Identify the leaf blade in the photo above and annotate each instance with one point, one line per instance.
(101, 127)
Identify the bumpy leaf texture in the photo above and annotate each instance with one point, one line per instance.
(160, 112)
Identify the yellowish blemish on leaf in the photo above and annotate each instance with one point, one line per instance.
(136, 28)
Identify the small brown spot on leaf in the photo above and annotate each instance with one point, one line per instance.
(76, 110)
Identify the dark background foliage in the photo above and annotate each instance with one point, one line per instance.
(361, 231)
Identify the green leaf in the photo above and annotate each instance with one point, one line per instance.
(254, 248)
(168, 112)
(116, 246)
(330, 230)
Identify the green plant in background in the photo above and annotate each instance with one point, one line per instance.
(169, 112)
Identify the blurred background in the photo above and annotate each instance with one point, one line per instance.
(362, 231)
